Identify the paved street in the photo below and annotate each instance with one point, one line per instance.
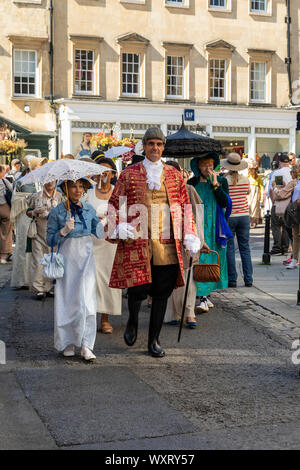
(230, 384)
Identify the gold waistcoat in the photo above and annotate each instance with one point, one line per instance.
(162, 250)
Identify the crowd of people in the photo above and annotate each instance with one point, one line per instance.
(220, 200)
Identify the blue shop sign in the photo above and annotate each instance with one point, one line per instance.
(189, 115)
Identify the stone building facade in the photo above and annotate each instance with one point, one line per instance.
(128, 64)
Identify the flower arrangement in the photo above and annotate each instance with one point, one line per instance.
(8, 146)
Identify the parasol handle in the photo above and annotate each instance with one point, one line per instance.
(68, 201)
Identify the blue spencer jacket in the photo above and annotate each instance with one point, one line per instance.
(57, 220)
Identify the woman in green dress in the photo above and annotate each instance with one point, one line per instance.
(213, 190)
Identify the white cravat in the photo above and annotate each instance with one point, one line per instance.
(153, 170)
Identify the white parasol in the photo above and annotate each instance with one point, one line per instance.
(114, 152)
(64, 169)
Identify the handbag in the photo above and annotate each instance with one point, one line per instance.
(291, 215)
(207, 272)
(32, 229)
(53, 262)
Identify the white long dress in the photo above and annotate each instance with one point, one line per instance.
(75, 301)
(108, 300)
(21, 260)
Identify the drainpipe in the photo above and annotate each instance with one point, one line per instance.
(288, 59)
(52, 104)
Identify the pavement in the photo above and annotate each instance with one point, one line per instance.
(229, 384)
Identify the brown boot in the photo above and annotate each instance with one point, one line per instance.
(105, 326)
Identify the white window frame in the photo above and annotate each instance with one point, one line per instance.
(213, 98)
(177, 4)
(36, 83)
(36, 2)
(139, 2)
(184, 78)
(218, 7)
(84, 92)
(139, 83)
(266, 12)
(266, 91)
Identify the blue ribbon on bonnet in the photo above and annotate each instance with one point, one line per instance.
(223, 232)
(75, 209)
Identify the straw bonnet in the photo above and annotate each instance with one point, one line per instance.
(234, 162)
(253, 164)
(36, 162)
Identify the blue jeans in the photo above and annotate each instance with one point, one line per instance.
(240, 226)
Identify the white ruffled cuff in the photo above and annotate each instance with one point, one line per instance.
(192, 243)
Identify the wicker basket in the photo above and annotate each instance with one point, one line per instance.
(207, 272)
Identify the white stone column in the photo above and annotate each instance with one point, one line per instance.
(292, 140)
(164, 128)
(66, 136)
(252, 144)
(209, 130)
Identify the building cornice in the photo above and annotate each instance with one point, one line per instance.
(132, 37)
(167, 44)
(85, 37)
(24, 39)
(138, 104)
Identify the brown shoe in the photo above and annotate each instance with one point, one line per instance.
(105, 326)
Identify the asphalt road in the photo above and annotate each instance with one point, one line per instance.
(229, 384)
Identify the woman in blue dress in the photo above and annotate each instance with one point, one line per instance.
(213, 190)
(75, 300)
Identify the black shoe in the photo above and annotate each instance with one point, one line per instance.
(50, 293)
(40, 295)
(232, 284)
(155, 349)
(275, 253)
(130, 335)
(158, 310)
(248, 284)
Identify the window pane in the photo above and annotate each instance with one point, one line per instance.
(24, 72)
(84, 70)
(175, 76)
(131, 74)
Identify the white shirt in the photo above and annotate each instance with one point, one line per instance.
(285, 172)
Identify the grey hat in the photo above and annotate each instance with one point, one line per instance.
(154, 133)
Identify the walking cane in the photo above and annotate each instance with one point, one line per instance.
(185, 297)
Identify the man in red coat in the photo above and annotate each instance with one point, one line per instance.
(148, 259)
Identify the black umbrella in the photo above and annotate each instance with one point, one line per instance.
(186, 144)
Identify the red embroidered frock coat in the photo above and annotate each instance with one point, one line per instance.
(132, 260)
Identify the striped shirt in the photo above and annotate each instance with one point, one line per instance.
(238, 194)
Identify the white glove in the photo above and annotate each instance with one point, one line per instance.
(100, 231)
(38, 210)
(68, 227)
(124, 231)
(192, 244)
